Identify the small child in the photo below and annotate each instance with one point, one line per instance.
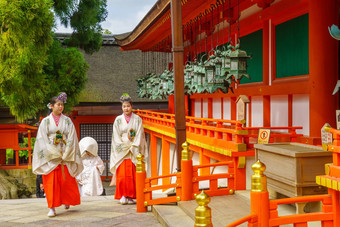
(89, 180)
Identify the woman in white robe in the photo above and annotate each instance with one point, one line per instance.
(90, 183)
(128, 140)
(56, 156)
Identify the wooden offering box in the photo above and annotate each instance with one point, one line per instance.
(292, 167)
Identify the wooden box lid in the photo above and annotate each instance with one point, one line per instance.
(293, 149)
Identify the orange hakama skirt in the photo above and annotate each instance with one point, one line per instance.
(126, 180)
(59, 190)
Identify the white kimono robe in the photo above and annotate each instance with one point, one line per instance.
(47, 154)
(125, 146)
(89, 179)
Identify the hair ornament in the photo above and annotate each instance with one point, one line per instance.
(125, 98)
(49, 106)
(62, 97)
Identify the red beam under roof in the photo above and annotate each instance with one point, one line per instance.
(153, 33)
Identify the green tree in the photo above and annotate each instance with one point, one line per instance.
(84, 17)
(65, 71)
(25, 37)
(33, 67)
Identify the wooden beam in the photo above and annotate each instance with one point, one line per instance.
(177, 50)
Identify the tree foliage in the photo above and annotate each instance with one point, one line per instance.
(84, 17)
(33, 66)
(65, 71)
(25, 37)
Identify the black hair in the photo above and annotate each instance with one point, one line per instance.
(54, 100)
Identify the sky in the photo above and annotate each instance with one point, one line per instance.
(123, 15)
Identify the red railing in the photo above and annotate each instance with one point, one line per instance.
(213, 179)
(221, 136)
(148, 189)
(224, 140)
(9, 134)
(264, 211)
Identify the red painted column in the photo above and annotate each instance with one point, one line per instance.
(204, 160)
(165, 160)
(290, 110)
(233, 108)
(266, 111)
(265, 49)
(171, 104)
(323, 64)
(187, 105)
(192, 107)
(222, 113)
(210, 108)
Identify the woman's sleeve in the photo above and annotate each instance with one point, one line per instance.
(100, 165)
(41, 155)
(72, 147)
(139, 141)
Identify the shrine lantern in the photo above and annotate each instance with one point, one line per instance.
(238, 63)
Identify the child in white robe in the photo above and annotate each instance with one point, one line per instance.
(89, 180)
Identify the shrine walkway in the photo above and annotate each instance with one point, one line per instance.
(93, 211)
(105, 211)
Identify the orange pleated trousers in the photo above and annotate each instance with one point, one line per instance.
(59, 190)
(126, 180)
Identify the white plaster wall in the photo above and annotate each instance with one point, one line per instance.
(195, 158)
(220, 169)
(196, 161)
(197, 107)
(173, 162)
(226, 109)
(301, 113)
(249, 172)
(216, 108)
(256, 111)
(279, 111)
(247, 109)
(205, 108)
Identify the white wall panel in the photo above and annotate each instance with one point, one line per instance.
(301, 113)
(205, 108)
(256, 111)
(197, 107)
(226, 109)
(279, 110)
(216, 108)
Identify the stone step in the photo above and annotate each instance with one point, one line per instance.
(224, 210)
(171, 216)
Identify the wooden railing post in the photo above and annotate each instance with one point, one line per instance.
(259, 196)
(203, 212)
(140, 183)
(187, 170)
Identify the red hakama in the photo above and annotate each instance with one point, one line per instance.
(60, 191)
(126, 180)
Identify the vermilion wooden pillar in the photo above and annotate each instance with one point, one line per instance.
(265, 44)
(192, 107)
(266, 111)
(210, 108)
(171, 104)
(323, 64)
(233, 108)
(177, 50)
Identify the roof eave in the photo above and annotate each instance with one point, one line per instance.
(159, 9)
